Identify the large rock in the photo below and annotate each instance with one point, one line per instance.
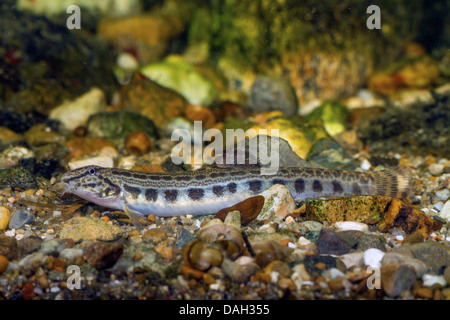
(84, 228)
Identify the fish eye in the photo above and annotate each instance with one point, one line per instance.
(92, 171)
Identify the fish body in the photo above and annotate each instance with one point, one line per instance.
(207, 191)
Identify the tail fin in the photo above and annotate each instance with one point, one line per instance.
(394, 182)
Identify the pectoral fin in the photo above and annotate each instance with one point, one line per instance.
(137, 218)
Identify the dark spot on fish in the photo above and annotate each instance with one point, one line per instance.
(151, 194)
(214, 175)
(356, 189)
(200, 177)
(232, 187)
(278, 181)
(218, 190)
(317, 186)
(234, 173)
(363, 180)
(89, 185)
(183, 178)
(255, 186)
(135, 192)
(196, 193)
(171, 195)
(337, 187)
(299, 185)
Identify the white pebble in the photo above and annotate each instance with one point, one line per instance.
(431, 279)
(442, 194)
(102, 161)
(127, 61)
(365, 165)
(445, 211)
(399, 238)
(373, 257)
(19, 237)
(351, 225)
(10, 233)
(292, 245)
(56, 213)
(438, 206)
(436, 169)
(303, 241)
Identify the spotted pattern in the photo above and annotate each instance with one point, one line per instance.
(196, 193)
(232, 187)
(356, 189)
(255, 186)
(218, 191)
(151, 194)
(133, 191)
(171, 195)
(337, 187)
(317, 186)
(299, 185)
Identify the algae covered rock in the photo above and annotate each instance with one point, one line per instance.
(84, 228)
(177, 74)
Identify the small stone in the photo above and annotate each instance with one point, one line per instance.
(278, 203)
(351, 225)
(373, 257)
(3, 264)
(367, 241)
(4, 217)
(447, 274)
(267, 94)
(86, 228)
(73, 114)
(405, 258)
(20, 218)
(445, 212)
(423, 293)
(353, 259)
(397, 278)
(52, 247)
(311, 225)
(442, 195)
(330, 243)
(434, 254)
(430, 280)
(154, 234)
(102, 161)
(436, 169)
(315, 264)
(233, 219)
(200, 113)
(71, 254)
(8, 247)
(137, 143)
(102, 255)
(29, 245)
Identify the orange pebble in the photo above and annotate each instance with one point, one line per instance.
(137, 143)
(189, 272)
(285, 242)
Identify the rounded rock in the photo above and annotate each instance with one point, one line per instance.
(3, 264)
(5, 216)
(137, 143)
(20, 218)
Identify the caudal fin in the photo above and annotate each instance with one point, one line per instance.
(394, 182)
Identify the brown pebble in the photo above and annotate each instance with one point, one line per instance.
(423, 293)
(208, 279)
(103, 255)
(3, 264)
(28, 291)
(165, 252)
(137, 143)
(154, 234)
(336, 284)
(137, 256)
(199, 113)
(59, 264)
(287, 284)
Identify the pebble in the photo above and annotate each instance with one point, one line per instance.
(52, 247)
(445, 211)
(5, 216)
(373, 257)
(397, 278)
(330, 243)
(137, 143)
(102, 161)
(86, 228)
(71, 254)
(278, 203)
(3, 264)
(20, 218)
(353, 259)
(351, 225)
(436, 169)
(431, 279)
(101, 255)
(267, 94)
(404, 257)
(442, 195)
(73, 114)
(434, 254)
